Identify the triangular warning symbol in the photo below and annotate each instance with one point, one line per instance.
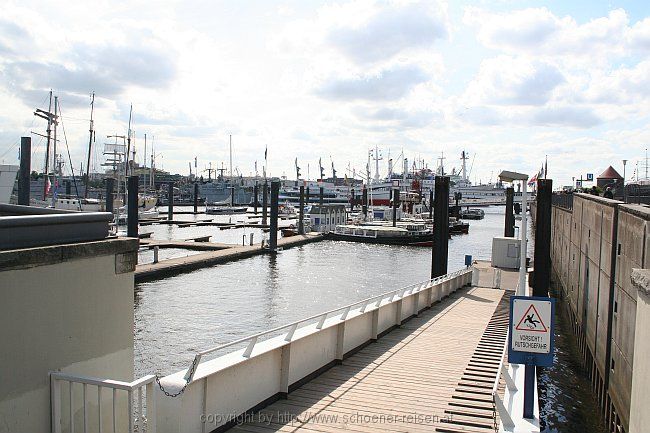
(531, 321)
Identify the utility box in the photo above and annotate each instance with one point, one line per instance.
(505, 252)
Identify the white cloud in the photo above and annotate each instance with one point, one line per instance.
(538, 31)
(505, 80)
(389, 84)
(390, 31)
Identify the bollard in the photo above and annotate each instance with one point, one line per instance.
(301, 211)
(273, 241)
(155, 254)
(170, 201)
(509, 230)
(265, 201)
(251, 242)
(440, 250)
(132, 207)
(196, 198)
(110, 186)
(25, 170)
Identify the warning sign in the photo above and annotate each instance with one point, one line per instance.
(531, 325)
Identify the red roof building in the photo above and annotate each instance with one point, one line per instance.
(611, 178)
(610, 173)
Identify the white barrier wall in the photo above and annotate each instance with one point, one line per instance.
(232, 384)
(63, 308)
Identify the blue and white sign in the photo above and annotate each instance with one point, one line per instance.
(590, 177)
(531, 340)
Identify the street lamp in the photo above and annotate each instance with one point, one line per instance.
(624, 193)
(511, 176)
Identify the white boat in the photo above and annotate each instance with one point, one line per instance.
(7, 180)
(225, 210)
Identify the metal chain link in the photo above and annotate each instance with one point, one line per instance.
(187, 381)
(494, 415)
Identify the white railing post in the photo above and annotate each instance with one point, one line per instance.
(292, 330)
(100, 428)
(249, 348)
(321, 322)
(129, 405)
(375, 324)
(151, 408)
(55, 398)
(340, 341)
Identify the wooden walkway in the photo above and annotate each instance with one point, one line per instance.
(406, 381)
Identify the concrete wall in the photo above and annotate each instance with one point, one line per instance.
(581, 253)
(639, 415)
(227, 386)
(63, 308)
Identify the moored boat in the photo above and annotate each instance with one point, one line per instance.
(414, 234)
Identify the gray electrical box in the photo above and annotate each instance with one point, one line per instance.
(505, 252)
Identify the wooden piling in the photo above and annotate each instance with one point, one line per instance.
(132, 207)
(273, 239)
(170, 201)
(301, 211)
(542, 274)
(509, 229)
(440, 250)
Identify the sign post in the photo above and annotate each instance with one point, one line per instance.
(531, 340)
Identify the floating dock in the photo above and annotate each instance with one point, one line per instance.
(214, 254)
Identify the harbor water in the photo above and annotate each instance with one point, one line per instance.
(178, 316)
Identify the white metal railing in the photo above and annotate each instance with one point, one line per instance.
(320, 318)
(141, 415)
(499, 406)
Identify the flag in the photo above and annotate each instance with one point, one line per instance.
(532, 180)
(266, 151)
(195, 162)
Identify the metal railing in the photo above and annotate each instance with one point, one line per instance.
(141, 415)
(500, 408)
(320, 318)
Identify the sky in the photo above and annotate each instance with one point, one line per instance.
(511, 83)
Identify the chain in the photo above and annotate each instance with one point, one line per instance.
(187, 381)
(494, 412)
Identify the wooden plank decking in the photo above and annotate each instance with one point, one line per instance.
(405, 381)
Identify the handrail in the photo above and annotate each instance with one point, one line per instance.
(499, 406)
(107, 383)
(253, 339)
(140, 417)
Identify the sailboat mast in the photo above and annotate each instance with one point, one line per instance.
(90, 143)
(128, 146)
(47, 149)
(54, 155)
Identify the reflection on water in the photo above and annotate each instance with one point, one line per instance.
(566, 403)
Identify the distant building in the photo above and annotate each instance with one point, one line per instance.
(326, 217)
(611, 178)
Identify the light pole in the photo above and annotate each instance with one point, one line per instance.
(510, 176)
(624, 193)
